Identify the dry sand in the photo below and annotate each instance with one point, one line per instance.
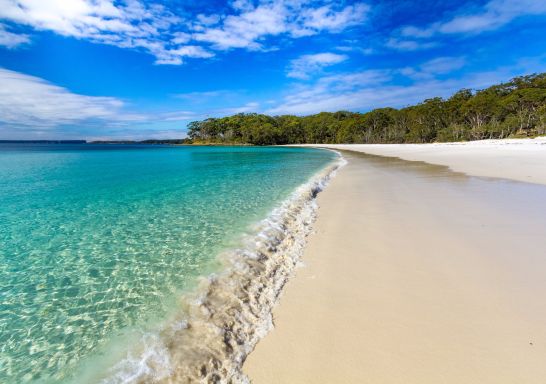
(416, 274)
(517, 159)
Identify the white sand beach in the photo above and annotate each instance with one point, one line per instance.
(418, 274)
(517, 159)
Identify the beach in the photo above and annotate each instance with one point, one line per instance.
(419, 272)
(515, 159)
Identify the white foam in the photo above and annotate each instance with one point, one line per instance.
(232, 310)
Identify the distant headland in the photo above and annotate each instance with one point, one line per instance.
(43, 141)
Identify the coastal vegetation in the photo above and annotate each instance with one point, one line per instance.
(516, 108)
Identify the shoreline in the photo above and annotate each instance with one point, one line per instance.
(230, 310)
(515, 159)
(398, 291)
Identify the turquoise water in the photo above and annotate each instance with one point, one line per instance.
(96, 239)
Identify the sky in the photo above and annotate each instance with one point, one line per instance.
(132, 69)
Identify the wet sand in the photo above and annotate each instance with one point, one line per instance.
(416, 274)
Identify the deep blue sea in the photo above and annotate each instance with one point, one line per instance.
(99, 240)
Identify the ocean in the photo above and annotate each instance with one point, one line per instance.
(128, 263)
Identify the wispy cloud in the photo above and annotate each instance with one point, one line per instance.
(365, 90)
(205, 95)
(11, 40)
(493, 15)
(404, 44)
(442, 65)
(246, 108)
(179, 116)
(30, 101)
(306, 65)
(171, 38)
(331, 93)
(435, 67)
(132, 134)
(35, 108)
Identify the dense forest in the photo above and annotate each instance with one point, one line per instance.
(513, 109)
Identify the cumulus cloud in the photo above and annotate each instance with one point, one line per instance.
(127, 24)
(136, 24)
(331, 19)
(306, 65)
(30, 101)
(247, 28)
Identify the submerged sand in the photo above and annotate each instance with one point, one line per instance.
(416, 274)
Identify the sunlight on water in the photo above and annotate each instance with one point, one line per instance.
(97, 239)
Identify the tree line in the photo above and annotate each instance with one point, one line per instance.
(516, 108)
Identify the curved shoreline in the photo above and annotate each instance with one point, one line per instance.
(515, 159)
(417, 274)
(231, 310)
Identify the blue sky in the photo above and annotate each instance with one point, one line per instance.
(98, 69)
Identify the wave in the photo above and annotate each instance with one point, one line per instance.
(231, 310)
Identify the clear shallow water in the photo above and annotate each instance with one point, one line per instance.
(96, 239)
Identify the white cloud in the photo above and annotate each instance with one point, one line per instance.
(496, 13)
(132, 134)
(251, 24)
(174, 56)
(30, 101)
(442, 65)
(414, 32)
(435, 67)
(128, 24)
(12, 40)
(242, 5)
(207, 96)
(332, 93)
(208, 20)
(304, 66)
(243, 30)
(493, 15)
(186, 115)
(365, 90)
(180, 116)
(327, 18)
(408, 45)
(35, 108)
(136, 24)
(246, 108)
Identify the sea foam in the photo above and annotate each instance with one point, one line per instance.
(231, 311)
